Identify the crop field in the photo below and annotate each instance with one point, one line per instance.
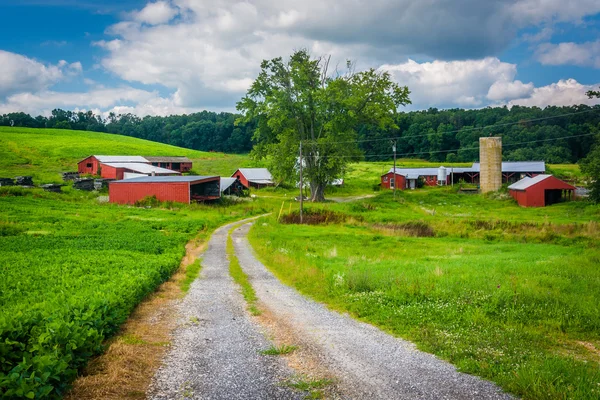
(503, 292)
(72, 271)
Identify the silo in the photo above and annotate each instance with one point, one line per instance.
(441, 176)
(490, 157)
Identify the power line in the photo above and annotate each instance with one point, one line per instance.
(463, 148)
(464, 129)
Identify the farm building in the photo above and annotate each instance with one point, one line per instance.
(180, 164)
(254, 177)
(91, 165)
(540, 191)
(511, 172)
(120, 171)
(232, 186)
(181, 189)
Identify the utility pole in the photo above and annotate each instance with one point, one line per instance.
(301, 185)
(395, 183)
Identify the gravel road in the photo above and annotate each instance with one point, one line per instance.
(215, 353)
(367, 363)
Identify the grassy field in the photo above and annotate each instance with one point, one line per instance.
(45, 153)
(503, 292)
(73, 270)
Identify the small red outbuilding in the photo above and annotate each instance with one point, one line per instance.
(540, 191)
(181, 189)
(387, 181)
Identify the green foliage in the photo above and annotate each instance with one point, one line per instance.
(191, 273)
(72, 271)
(590, 166)
(506, 293)
(298, 101)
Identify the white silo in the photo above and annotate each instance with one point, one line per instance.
(442, 175)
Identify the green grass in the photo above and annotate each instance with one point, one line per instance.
(240, 277)
(73, 269)
(191, 273)
(45, 153)
(311, 385)
(279, 350)
(506, 293)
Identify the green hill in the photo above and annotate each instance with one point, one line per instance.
(45, 153)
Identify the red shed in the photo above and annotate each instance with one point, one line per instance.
(387, 180)
(540, 191)
(181, 189)
(178, 163)
(91, 165)
(254, 177)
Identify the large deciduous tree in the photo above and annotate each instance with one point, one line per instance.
(301, 100)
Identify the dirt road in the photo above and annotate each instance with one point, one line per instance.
(216, 352)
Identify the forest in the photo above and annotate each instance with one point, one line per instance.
(553, 134)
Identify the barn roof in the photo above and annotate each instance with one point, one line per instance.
(414, 171)
(519, 166)
(527, 182)
(121, 159)
(257, 175)
(226, 183)
(168, 159)
(142, 168)
(166, 179)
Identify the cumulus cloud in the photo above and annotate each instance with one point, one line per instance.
(467, 83)
(563, 93)
(19, 73)
(156, 13)
(102, 100)
(584, 54)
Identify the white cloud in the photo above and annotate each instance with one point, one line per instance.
(19, 73)
(506, 90)
(156, 13)
(537, 11)
(454, 83)
(584, 54)
(563, 93)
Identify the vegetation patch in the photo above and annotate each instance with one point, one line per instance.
(279, 350)
(313, 217)
(410, 228)
(312, 386)
(191, 273)
(240, 277)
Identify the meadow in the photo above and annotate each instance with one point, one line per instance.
(45, 153)
(503, 292)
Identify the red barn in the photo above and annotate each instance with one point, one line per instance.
(180, 164)
(254, 177)
(91, 165)
(120, 171)
(181, 189)
(387, 180)
(540, 191)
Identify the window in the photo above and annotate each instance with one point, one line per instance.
(88, 165)
(392, 182)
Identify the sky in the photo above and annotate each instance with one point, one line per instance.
(182, 56)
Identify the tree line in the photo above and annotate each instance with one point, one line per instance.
(552, 134)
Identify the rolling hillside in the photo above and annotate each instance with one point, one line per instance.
(45, 153)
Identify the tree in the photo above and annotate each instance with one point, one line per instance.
(590, 166)
(593, 93)
(300, 101)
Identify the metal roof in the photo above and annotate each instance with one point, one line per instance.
(257, 175)
(168, 159)
(166, 179)
(226, 183)
(121, 159)
(519, 166)
(142, 168)
(507, 166)
(528, 182)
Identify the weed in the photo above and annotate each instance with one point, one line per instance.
(279, 350)
(191, 273)
(240, 277)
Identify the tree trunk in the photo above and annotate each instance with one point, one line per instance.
(317, 192)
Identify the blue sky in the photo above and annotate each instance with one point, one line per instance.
(181, 56)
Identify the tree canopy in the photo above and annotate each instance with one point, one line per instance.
(300, 100)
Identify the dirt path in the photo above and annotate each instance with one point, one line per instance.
(366, 362)
(215, 352)
(350, 198)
